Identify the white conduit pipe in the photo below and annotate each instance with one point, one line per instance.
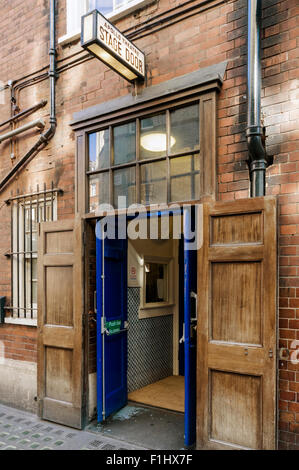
(37, 123)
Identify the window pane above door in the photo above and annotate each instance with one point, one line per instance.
(184, 125)
(99, 190)
(152, 159)
(124, 143)
(99, 143)
(184, 178)
(124, 186)
(153, 138)
(153, 183)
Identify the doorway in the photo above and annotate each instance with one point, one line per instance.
(153, 316)
(144, 299)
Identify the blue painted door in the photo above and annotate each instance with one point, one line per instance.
(111, 256)
(190, 319)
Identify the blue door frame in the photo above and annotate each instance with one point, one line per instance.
(190, 325)
(112, 307)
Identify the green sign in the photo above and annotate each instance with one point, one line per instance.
(113, 326)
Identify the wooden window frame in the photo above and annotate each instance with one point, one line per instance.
(207, 132)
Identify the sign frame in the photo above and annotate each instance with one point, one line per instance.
(95, 40)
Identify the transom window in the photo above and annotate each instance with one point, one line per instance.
(150, 160)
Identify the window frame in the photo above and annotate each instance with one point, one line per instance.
(75, 9)
(138, 162)
(205, 93)
(157, 309)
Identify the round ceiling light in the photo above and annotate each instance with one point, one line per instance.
(156, 142)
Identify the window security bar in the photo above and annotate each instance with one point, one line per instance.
(27, 211)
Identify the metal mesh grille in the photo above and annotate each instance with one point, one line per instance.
(150, 345)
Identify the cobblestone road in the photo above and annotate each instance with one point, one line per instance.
(25, 431)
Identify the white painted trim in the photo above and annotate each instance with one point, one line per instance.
(73, 32)
(20, 321)
(155, 312)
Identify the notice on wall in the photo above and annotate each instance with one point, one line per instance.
(134, 268)
(133, 273)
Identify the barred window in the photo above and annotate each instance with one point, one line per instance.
(27, 211)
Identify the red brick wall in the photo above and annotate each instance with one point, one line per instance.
(19, 342)
(211, 32)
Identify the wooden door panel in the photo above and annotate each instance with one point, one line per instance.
(242, 228)
(60, 311)
(237, 325)
(59, 308)
(235, 409)
(235, 312)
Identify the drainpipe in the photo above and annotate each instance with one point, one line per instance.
(49, 133)
(258, 158)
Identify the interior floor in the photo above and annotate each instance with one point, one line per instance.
(150, 428)
(168, 393)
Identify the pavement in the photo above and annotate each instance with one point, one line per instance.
(145, 426)
(20, 430)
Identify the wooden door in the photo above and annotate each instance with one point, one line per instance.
(60, 312)
(237, 277)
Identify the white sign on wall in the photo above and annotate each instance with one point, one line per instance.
(109, 45)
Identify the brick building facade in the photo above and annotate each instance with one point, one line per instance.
(177, 37)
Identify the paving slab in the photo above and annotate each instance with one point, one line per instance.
(21, 430)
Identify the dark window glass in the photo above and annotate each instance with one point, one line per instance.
(99, 150)
(98, 190)
(184, 123)
(124, 143)
(153, 183)
(156, 282)
(124, 185)
(184, 178)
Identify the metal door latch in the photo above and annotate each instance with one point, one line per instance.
(270, 353)
(182, 340)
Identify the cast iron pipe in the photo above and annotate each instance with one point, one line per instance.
(258, 158)
(37, 123)
(49, 133)
(30, 110)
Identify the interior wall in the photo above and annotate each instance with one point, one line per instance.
(150, 345)
(150, 340)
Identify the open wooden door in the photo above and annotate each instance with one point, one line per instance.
(237, 274)
(60, 312)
